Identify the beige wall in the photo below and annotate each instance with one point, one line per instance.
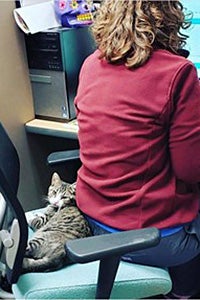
(16, 106)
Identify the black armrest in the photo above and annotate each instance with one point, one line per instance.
(109, 248)
(114, 244)
(62, 156)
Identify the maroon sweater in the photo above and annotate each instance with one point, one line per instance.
(139, 134)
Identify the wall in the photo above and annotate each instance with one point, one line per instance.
(16, 105)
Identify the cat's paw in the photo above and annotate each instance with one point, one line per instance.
(32, 217)
(29, 217)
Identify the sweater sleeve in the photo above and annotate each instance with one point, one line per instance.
(184, 133)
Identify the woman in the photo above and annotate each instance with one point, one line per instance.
(138, 110)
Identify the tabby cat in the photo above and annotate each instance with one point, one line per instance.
(61, 221)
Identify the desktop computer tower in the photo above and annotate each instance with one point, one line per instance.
(54, 59)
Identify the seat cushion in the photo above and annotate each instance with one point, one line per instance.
(78, 281)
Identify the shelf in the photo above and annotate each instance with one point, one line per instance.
(51, 128)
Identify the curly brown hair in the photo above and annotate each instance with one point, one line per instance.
(128, 30)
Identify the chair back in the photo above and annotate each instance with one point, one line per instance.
(13, 225)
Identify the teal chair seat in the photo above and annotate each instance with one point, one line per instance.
(79, 281)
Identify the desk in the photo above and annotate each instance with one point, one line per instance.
(46, 137)
(52, 128)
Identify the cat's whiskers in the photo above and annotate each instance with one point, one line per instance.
(56, 200)
(60, 204)
(45, 199)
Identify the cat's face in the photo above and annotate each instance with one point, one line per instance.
(60, 193)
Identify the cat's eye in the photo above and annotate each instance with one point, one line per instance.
(54, 192)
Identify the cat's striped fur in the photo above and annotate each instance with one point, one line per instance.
(61, 221)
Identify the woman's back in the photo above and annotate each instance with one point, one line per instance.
(126, 136)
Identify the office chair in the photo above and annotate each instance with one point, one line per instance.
(96, 260)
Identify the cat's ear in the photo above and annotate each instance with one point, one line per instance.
(55, 180)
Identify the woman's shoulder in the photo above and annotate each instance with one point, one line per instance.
(170, 63)
(93, 56)
(168, 57)
(91, 60)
